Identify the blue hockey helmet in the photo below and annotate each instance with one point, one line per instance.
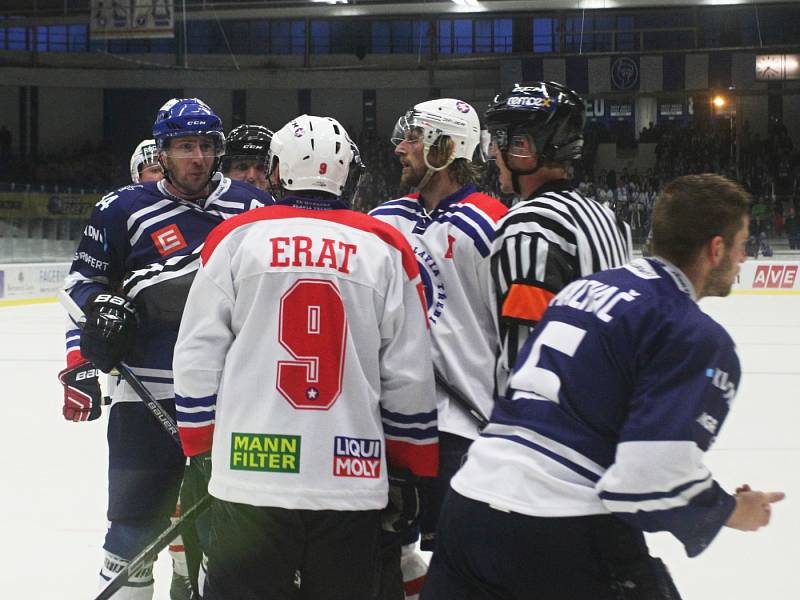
(182, 117)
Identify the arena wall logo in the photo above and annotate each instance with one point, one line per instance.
(624, 73)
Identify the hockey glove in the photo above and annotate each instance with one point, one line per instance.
(402, 512)
(109, 332)
(83, 398)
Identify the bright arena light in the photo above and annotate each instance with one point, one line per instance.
(719, 101)
(473, 3)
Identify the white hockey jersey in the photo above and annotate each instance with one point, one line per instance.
(304, 353)
(452, 246)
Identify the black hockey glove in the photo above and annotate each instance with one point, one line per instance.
(405, 502)
(108, 335)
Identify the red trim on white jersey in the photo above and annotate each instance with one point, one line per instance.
(350, 218)
(491, 206)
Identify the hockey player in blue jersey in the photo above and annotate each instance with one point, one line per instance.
(246, 150)
(615, 397)
(131, 275)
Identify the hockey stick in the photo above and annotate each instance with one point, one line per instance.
(461, 400)
(155, 547)
(155, 408)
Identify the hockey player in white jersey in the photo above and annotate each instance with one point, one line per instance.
(303, 364)
(617, 394)
(144, 163)
(451, 226)
(131, 274)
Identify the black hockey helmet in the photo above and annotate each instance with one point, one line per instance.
(552, 114)
(247, 141)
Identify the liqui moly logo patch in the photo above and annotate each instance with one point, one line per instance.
(356, 457)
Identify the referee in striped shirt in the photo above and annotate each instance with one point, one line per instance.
(554, 235)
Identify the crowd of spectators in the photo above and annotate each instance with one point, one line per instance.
(90, 169)
(93, 169)
(629, 194)
(768, 167)
(381, 180)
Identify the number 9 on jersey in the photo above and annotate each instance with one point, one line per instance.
(313, 329)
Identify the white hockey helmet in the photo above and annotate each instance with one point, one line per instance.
(314, 153)
(443, 117)
(146, 154)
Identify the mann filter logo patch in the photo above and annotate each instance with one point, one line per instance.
(265, 452)
(168, 240)
(356, 457)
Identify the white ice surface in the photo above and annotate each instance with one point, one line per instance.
(52, 500)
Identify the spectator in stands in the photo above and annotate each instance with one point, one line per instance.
(792, 228)
(760, 216)
(621, 195)
(648, 134)
(605, 196)
(5, 146)
(585, 187)
(382, 168)
(783, 177)
(611, 179)
(778, 222)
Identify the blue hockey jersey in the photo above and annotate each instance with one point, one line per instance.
(141, 236)
(614, 399)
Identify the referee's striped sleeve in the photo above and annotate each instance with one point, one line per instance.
(542, 245)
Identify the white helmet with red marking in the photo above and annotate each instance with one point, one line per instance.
(313, 153)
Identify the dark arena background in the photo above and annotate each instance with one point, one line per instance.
(670, 88)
